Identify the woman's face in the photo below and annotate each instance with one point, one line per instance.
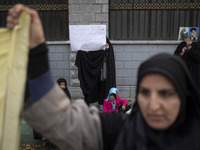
(62, 85)
(158, 101)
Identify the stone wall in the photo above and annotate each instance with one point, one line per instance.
(59, 60)
(88, 12)
(128, 57)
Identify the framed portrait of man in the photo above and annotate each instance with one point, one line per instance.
(188, 32)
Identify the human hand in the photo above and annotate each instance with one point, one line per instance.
(36, 30)
(123, 107)
(107, 46)
(189, 43)
(183, 51)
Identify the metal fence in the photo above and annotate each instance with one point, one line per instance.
(151, 19)
(53, 13)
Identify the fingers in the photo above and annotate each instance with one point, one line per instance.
(15, 12)
(36, 30)
(188, 41)
(107, 46)
(13, 16)
(10, 22)
(181, 53)
(184, 48)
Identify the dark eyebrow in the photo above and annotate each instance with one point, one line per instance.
(170, 90)
(161, 90)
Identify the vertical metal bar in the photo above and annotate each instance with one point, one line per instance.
(128, 22)
(138, 22)
(156, 21)
(197, 16)
(191, 12)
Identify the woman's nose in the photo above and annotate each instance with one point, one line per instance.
(154, 103)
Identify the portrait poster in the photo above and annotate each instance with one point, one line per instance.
(188, 32)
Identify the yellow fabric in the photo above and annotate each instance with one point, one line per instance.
(13, 66)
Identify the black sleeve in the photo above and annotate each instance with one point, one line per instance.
(111, 126)
(194, 52)
(38, 61)
(37, 65)
(179, 48)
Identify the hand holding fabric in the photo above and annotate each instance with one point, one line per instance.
(36, 30)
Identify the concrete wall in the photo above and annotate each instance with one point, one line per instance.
(88, 12)
(128, 57)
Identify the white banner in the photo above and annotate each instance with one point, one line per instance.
(87, 37)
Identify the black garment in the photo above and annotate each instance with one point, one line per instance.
(192, 59)
(184, 133)
(111, 73)
(36, 135)
(89, 70)
(38, 55)
(111, 126)
(61, 80)
(41, 50)
(102, 92)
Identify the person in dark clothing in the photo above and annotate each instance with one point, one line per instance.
(63, 85)
(90, 64)
(190, 53)
(166, 117)
(107, 71)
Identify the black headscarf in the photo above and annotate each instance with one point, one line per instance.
(62, 80)
(192, 59)
(89, 70)
(184, 133)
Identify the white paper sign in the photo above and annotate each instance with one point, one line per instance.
(87, 37)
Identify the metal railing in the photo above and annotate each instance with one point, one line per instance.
(54, 16)
(151, 19)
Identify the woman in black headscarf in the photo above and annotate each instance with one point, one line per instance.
(189, 51)
(90, 65)
(63, 84)
(168, 108)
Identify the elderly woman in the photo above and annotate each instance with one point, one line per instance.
(166, 117)
(168, 114)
